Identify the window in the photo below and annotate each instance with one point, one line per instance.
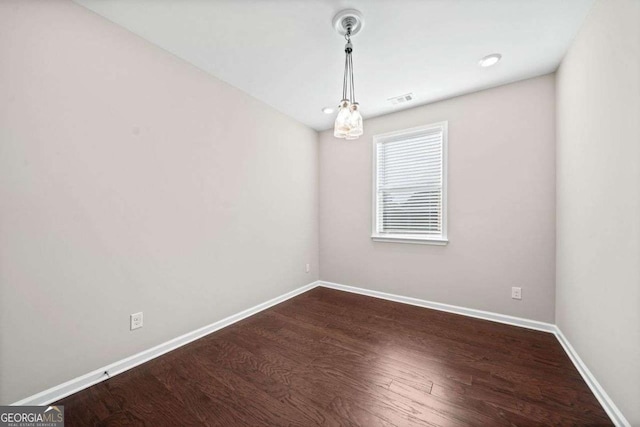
(410, 185)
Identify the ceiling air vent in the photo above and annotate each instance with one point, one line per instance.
(402, 99)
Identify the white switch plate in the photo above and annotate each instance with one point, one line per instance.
(308, 268)
(516, 293)
(136, 321)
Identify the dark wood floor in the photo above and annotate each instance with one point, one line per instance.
(334, 358)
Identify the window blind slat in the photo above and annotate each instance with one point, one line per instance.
(389, 157)
(408, 206)
(401, 141)
(430, 165)
(417, 145)
(416, 182)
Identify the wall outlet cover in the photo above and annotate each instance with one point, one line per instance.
(136, 321)
(516, 292)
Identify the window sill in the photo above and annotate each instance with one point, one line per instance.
(394, 238)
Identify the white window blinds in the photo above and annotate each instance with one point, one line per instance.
(410, 184)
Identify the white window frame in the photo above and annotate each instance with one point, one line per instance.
(401, 238)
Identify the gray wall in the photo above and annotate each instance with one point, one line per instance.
(501, 206)
(132, 181)
(598, 190)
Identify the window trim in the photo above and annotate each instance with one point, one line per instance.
(417, 239)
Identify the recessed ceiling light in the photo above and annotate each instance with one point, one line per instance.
(327, 110)
(490, 60)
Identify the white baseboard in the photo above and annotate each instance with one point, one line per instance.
(470, 312)
(610, 408)
(60, 391)
(72, 386)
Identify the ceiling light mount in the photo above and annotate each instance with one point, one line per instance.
(348, 21)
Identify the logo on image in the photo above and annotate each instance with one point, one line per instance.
(32, 416)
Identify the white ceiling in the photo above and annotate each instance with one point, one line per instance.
(287, 54)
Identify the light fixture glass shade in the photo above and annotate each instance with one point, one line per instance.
(356, 128)
(342, 124)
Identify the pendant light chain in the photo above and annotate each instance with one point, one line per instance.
(347, 84)
(346, 77)
(353, 90)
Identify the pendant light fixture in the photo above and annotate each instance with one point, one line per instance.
(348, 123)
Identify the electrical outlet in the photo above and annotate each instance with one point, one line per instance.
(308, 268)
(136, 321)
(516, 293)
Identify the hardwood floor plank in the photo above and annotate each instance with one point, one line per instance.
(142, 396)
(182, 381)
(120, 419)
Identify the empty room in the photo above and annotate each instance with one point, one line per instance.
(319, 213)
